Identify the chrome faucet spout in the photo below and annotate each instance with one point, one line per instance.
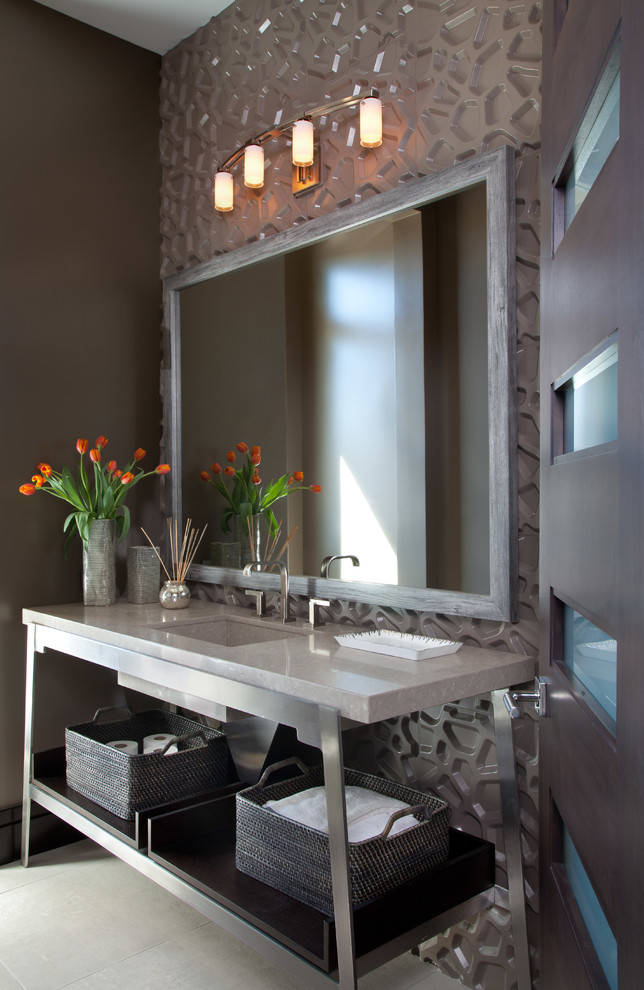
(326, 563)
(283, 569)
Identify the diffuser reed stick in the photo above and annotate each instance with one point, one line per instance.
(286, 543)
(181, 555)
(273, 542)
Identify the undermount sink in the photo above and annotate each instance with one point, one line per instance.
(228, 631)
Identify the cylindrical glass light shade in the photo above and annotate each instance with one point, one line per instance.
(223, 192)
(303, 142)
(254, 166)
(371, 122)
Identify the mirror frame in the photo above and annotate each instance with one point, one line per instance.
(496, 169)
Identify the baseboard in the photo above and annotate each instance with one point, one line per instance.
(47, 832)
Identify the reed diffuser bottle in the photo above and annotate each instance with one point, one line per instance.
(175, 593)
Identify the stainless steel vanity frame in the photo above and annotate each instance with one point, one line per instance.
(317, 725)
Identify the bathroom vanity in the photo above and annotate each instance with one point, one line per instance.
(227, 664)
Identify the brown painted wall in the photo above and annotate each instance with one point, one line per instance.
(79, 304)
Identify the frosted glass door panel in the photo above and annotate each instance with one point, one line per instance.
(591, 655)
(590, 403)
(602, 125)
(594, 918)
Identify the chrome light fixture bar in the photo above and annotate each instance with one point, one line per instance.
(305, 153)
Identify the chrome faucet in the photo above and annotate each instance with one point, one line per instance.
(326, 563)
(284, 605)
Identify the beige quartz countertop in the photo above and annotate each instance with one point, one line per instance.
(305, 664)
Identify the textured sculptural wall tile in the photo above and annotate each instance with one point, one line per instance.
(457, 79)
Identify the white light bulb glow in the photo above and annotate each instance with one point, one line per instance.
(223, 192)
(303, 142)
(371, 122)
(254, 166)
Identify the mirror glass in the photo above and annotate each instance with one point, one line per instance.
(364, 355)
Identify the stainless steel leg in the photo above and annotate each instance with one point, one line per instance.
(29, 718)
(338, 845)
(512, 838)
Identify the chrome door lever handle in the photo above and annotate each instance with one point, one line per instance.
(539, 696)
(510, 704)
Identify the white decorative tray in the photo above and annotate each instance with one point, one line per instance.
(397, 644)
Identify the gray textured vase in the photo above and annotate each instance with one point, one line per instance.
(143, 575)
(99, 563)
(225, 554)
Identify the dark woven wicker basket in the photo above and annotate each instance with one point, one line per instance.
(126, 783)
(295, 858)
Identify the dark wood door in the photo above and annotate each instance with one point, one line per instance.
(592, 494)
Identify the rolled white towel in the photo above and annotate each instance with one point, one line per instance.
(367, 811)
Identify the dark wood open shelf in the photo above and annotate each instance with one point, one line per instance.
(48, 774)
(194, 839)
(197, 844)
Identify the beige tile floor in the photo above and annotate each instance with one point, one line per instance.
(79, 918)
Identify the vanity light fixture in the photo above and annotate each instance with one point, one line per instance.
(371, 122)
(305, 151)
(254, 166)
(224, 191)
(303, 142)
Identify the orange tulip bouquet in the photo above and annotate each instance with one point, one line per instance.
(96, 492)
(245, 495)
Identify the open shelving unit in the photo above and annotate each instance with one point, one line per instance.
(188, 846)
(194, 842)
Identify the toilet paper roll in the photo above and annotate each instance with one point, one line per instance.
(157, 739)
(124, 745)
(158, 748)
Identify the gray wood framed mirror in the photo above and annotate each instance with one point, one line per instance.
(411, 389)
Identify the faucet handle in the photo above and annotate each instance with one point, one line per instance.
(314, 611)
(260, 599)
